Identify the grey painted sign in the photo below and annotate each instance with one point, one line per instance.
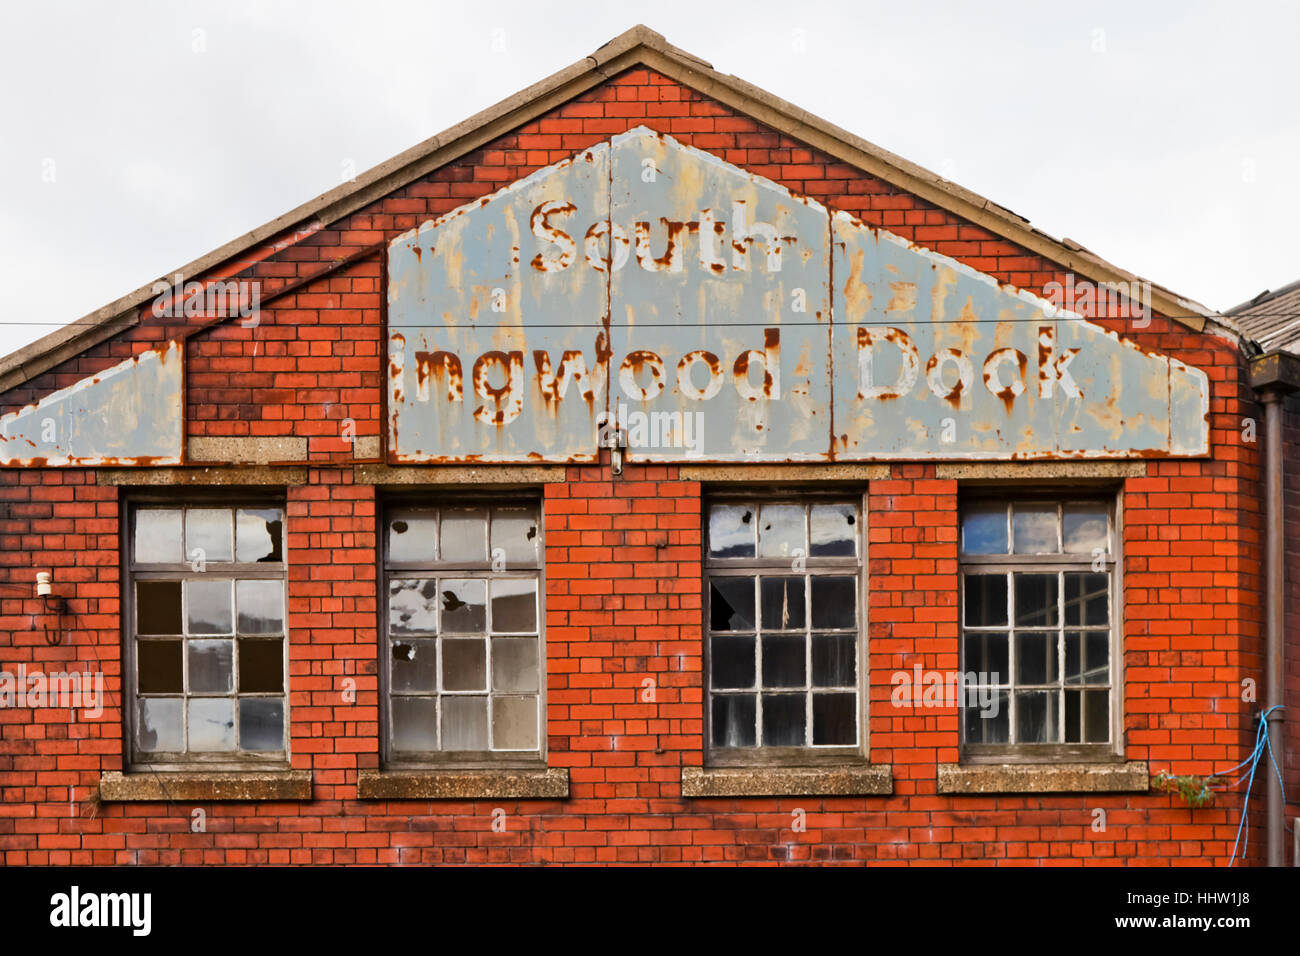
(648, 294)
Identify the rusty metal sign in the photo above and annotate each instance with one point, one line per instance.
(649, 295)
(129, 414)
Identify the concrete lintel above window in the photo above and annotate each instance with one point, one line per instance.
(503, 784)
(873, 780)
(204, 786)
(195, 476)
(459, 476)
(1040, 470)
(1130, 777)
(752, 473)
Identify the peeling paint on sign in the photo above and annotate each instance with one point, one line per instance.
(129, 414)
(647, 293)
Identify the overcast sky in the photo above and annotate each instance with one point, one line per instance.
(138, 136)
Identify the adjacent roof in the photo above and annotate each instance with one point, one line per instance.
(638, 46)
(1272, 319)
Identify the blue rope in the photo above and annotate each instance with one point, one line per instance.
(1262, 744)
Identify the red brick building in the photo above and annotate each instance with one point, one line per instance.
(357, 520)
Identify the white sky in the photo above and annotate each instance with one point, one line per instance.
(1163, 136)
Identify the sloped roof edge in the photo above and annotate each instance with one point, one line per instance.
(639, 45)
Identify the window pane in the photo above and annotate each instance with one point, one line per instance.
(159, 728)
(988, 654)
(412, 536)
(1096, 662)
(158, 536)
(989, 724)
(784, 661)
(1036, 717)
(984, 529)
(464, 606)
(514, 606)
(731, 531)
(212, 723)
(261, 606)
(784, 720)
(259, 535)
(1096, 717)
(734, 718)
(415, 665)
(1087, 599)
(833, 530)
(1036, 657)
(835, 719)
(464, 665)
(261, 724)
(781, 531)
(1036, 600)
(834, 601)
(1084, 528)
(208, 607)
(514, 723)
(464, 535)
(731, 662)
(986, 600)
(783, 604)
(514, 537)
(514, 664)
(261, 667)
(209, 531)
(415, 723)
(158, 607)
(212, 667)
(835, 660)
(731, 604)
(464, 723)
(413, 606)
(159, 667)
(1033, 529)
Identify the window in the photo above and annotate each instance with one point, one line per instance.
(463, 655)
(783, 628)
(206, 634)
(1038, 626)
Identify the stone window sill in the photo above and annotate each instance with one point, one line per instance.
(503, 784)
(205, 786)
(1130, 777)
(830, 781)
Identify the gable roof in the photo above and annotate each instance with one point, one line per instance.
(638, 46)
(1272, 318)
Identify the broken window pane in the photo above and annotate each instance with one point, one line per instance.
(464, 665)
(415, 723)
(734, 717)
(415, 665)
(514, 537)
(834, 531)
(208, 607)
(209, 532)
(261, 724)
(158, 607)
(159, 666)
(212, 667)
(261, 667)
(464, 723)
(464, 535)
(514, 606)
(731, 604)
(1033, 529)
(464, 606)
(159, 727)
(984, 529)
(783, 604)
(731, 531)
(261, 606)
(259, 535)
(413, 606)
(412, 535)
(514, 664)
(514, 723)
(158, 536)
(212, 723)
(781, 531)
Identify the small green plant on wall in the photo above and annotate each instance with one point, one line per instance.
(1195, 791)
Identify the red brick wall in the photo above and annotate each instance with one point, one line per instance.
(622, 590)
